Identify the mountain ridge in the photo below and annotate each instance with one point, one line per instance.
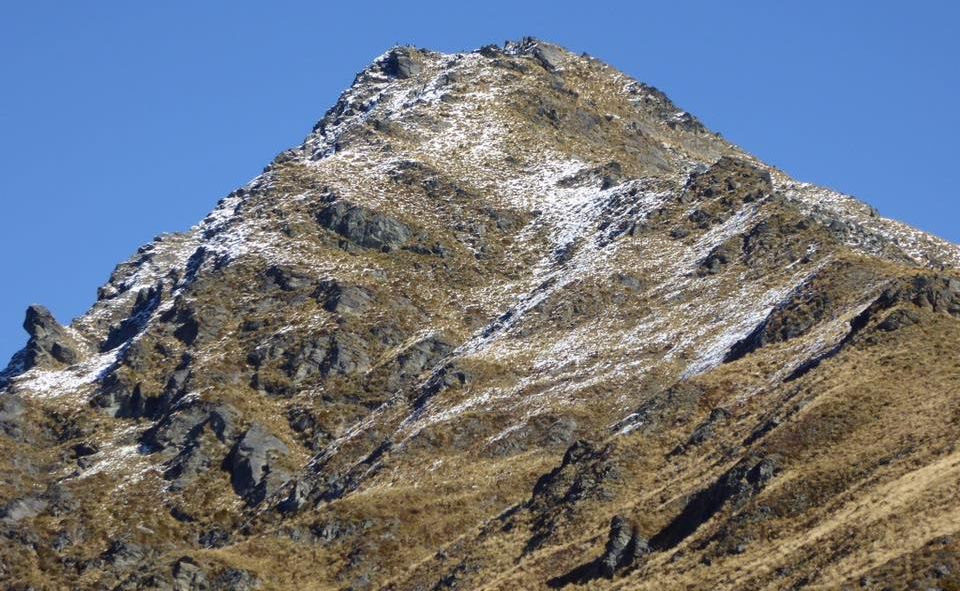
(527, 283)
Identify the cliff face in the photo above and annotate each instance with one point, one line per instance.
(506, 319)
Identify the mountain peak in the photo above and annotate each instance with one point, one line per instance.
(503, 315)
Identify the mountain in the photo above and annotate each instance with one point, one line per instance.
(506, 319)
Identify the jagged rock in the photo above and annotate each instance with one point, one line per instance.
(297, 497)
(233, 579)
(254, 472)
(402, 62)
(287, 279)
(12, 411)
(584, 474)
(704, 431)
(118, 397)
(185, 421)
(624, 549)
(22, 508)
(774, 239)
(189, 576)
(125, 555)
(181, 432)
(49, 344)
(447, 376)
(197, 323)
(529, 296)
(939, 294)
(300, 362)
(344, 299)
(364, 227)
(789, 320)
(148, 299)
(550, 56)
(346, 355)
(733, 489)
(721, 256)
(581, 474)
(665, 409)
(413, 360)
(731, 181)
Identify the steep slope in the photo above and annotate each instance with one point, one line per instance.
(506, 319)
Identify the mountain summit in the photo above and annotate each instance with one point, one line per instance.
(506, 319)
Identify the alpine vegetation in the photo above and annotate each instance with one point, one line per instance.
(506, 319)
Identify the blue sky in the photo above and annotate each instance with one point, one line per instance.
(121, 120)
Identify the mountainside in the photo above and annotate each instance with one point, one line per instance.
(506, 319)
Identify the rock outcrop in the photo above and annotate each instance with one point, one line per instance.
(50, 344)
(505, 319)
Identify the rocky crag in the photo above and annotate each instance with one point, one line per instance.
(506, 319)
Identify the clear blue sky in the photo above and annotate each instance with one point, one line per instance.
(120, 120)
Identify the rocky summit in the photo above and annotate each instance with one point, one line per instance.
(506, 319)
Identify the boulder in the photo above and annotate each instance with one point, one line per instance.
(585, 474)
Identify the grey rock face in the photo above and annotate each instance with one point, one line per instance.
(119, 397)
(550, 56)
(236, 580)
(415, 359)
(343, 299)
(403, 62)
(147, 301)
(302, 359)
(23, 508)
(664, 409)
(189, 576)
(123, 555)
(185, 421)
(734, 488)
(49, 343)
(364, 227)
(253, 471)
(12, 411)
(584, 474)
(196, 323)
(181, 432)
(625, 547)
